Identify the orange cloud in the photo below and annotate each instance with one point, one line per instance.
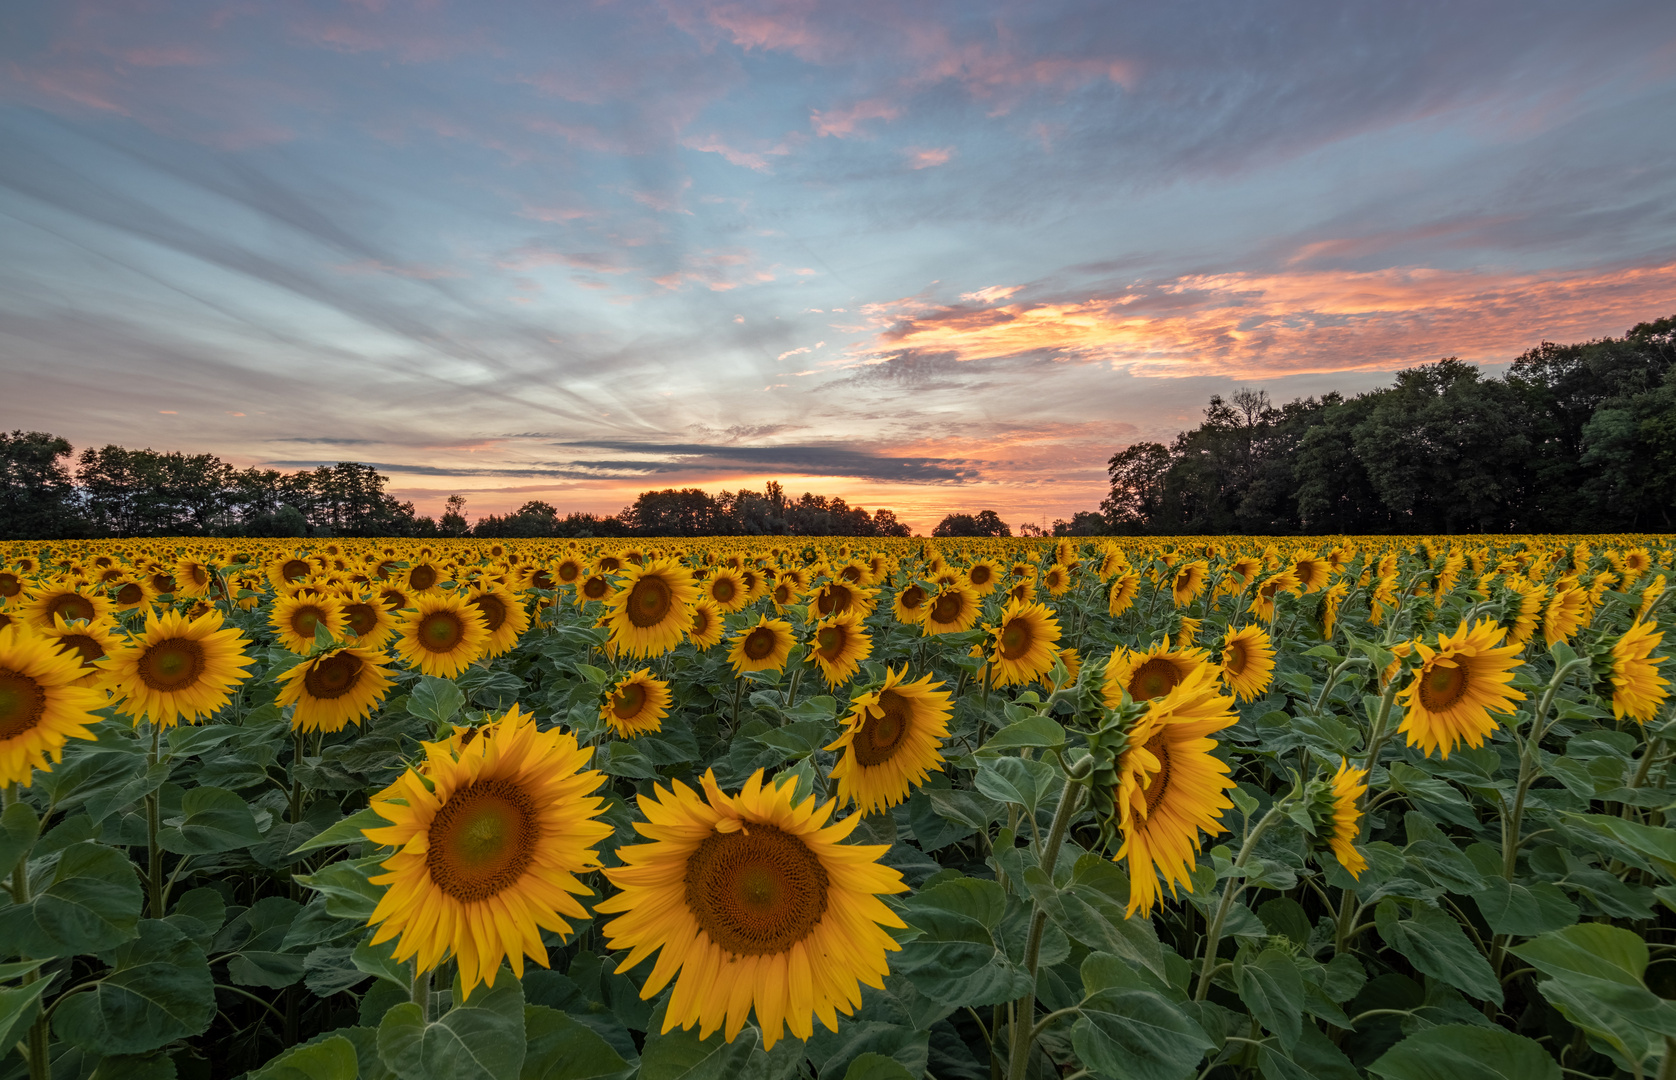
(1256, 324)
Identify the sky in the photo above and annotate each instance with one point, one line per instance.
(930, 256)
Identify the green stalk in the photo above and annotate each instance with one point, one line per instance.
(420, 992)
(1023, 1034)
(153, 814)
(1349, 907)
(1230, 892)
(40, 1068)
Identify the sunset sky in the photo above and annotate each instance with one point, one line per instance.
(929, 256)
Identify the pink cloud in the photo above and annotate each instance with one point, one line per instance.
(928, 158)
(843, 122)
(535, 255)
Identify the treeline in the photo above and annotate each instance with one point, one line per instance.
(1573, 438)
(113, 491)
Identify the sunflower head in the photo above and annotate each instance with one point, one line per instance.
(838, 646)
(177, 670)
(707, 626)
(891, 741)
(1637, 689)
(952, 609)
(763, 647)
(1247, 662)
(1023, 643)
(1458, 687)
(1151, 673)
(441, 635)
(335, 688)
(636, 704)
(504, 616)
(42, 704)
(67, 599)
(89, 642)
(1334, 807)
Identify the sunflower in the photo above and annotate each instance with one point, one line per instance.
(707, 625)
(1343, 822)
(503, 614)
(1262, 603)
(1245, 568)
(441, 635)
(195, 577)
(490, 835)
(1188, 583)
(908, 605)
(1637, 687)
(423, 576)
(1567, 611)
(1170, 786)
(11, 583)
(1188, 632)
(42, 704)
(764, 647)
(650, 612)
(291, 568)
(595, 586)
(891, 742)
(841, 598)
(177, 670)
(1331, 601)
(636, 704)
(727, 590)
(69, 600)
(1023, 591)
(952, 610)
(567, 571)
(1459, 684)
(1073, 667)
(296, 618)
(1150, 674)
(1312, 572)
(984, 574)
(1024, 643)
(755, 905)
(839, 645)
(1125, 587)
(365, 616)
(334, 689)
(1526, 615)
(89, 642)
(1056, 579)
(1247, 663)
(1650, 596)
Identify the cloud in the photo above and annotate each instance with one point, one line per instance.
(845, 122)
(928, 158)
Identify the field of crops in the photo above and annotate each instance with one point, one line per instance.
(757, 809)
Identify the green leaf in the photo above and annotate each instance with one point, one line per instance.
(349, 895)
(1137, 1035)
(92, 904)
(347, 831)
(955, 959)
(1273, 990)
(1091, 910)
(329, 969)
(265, 967)
(682, 1055)
(213, 819)
(159, 990)
(436, 700)
(1435, 944)
(18, 829)
(1455, 1051)
(380, 960)
(480, 1039)
(18, 1006)
(1036, 731)
(560, 1048)
(1015, 780)
(1596, 983)
(1312, 1057)
(871, 1066)
(1651, 847)
(331, 1059)
(597, 676)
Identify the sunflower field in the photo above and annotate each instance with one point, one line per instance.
(739, 809)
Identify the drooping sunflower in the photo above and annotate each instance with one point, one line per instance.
(651, 609)
(951, 610)
(1327, 611)
(1125, 587)
(1343, 823)
(1262, 602)
(1247, 663)
(1638, 690)
(89, 642)
(891, 741)
(1650, 596)
(177, 670)
(441, 635)
(726, 589)
(1024, 643)
(1150, 674)
(1171, 787)
(42, 705)
(66, 599)
(754, 905)
(296, 618)
(1567, 610)
(908, 605)
(335, 688)
(839, 645)
(636, 704)
(1459, 685)
(707, 626)
(1527, 612)
(1188, 582)
(764, 647)
(503, 614)
(491, 833)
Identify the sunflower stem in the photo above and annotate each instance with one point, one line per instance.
(738, 692)
(1023, 1036)
(1530, 768)
(420, 992)
(153, 814)
(1231, 891)
(39, 1066)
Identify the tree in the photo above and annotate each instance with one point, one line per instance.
(1137, 486)
(453, 520)
(37, 496)
(986, 523)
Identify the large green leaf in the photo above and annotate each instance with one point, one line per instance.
(560, 1048)
(956, 959)
(212, 819)
(436, 700)
(1459, 1051)
(91, 904)
(480, 1039)
(345, 885)
(1273, 990)
(329, 1059)
(347, 831)
(681, 1055)
(1091, 909)
(1596, 983)
(159, 990)
(1137, 1035)
(1436, 945)
(18, 1006)
(871, 1066)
